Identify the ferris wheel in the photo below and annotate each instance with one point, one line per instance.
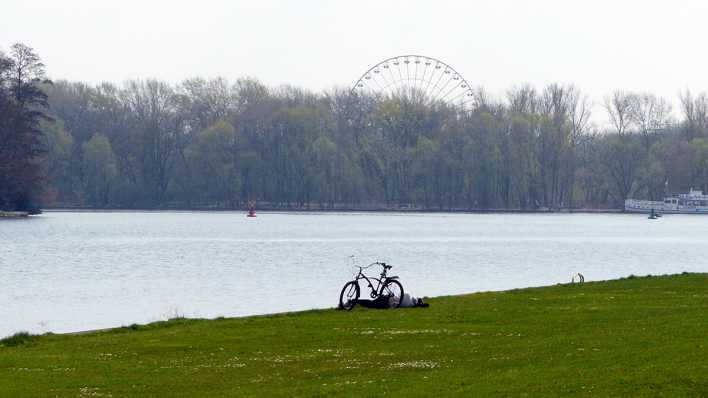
(417, 77)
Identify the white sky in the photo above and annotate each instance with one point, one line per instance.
(656, 46)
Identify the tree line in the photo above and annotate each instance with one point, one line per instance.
(211, 143)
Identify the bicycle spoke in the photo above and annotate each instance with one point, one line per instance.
(394, 293)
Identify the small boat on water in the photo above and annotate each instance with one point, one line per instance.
(693, 202)
(251, 209)
(13, 214)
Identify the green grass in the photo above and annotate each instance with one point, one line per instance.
(632, 337)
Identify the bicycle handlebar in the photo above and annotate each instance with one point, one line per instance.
(384, 265)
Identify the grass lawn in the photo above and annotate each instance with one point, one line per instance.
(632, 337)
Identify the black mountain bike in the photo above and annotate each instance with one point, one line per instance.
(383, 286)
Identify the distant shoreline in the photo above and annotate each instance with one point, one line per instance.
(335, 210)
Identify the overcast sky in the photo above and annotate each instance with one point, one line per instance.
(657, 46)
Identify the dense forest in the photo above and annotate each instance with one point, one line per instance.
(211, 143)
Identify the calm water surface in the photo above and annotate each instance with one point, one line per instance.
(65, 272)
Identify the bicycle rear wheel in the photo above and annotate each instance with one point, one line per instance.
(349, 295)
(394, 290)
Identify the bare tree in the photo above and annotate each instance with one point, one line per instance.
(579, 119)
(619, 108)
(580, 111)
(649, 114)
(695, 112)
(555, 150)
(205, 101)
(482, 101)
(27, 72)
(522, 99)
(158, 126)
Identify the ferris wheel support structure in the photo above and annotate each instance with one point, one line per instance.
(416, 75)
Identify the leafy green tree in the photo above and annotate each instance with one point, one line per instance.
(58, 143)
(323, 169)
(699, 163)
(213, 161)
(622, 158)
(99, 169)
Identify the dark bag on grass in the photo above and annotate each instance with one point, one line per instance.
(381, 302)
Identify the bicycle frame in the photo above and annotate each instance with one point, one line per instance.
(381, 281)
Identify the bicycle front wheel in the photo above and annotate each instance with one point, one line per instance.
(394, 290)
(349, 295)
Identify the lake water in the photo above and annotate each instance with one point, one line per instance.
(64, 272)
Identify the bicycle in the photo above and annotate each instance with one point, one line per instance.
(385, 286)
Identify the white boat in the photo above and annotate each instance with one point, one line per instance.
(693, 202)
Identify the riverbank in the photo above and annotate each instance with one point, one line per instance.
(629, 337)
(337, 210)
